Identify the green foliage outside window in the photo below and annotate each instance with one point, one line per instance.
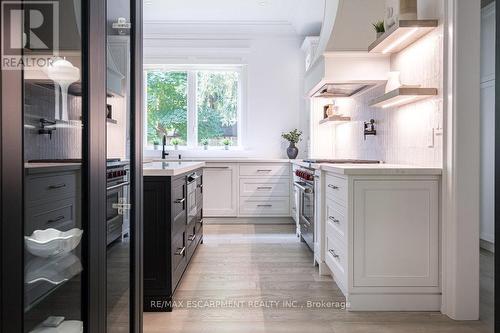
(216, 106)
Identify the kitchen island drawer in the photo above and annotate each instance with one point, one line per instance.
(47, 187)
(336, 259)
(251, 187)
(336, 220)
(336, 187)
(272, 206)
(265, 170)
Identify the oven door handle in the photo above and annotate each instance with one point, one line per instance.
(114, 187)
(303, 189)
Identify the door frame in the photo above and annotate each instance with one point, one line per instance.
(93, 179)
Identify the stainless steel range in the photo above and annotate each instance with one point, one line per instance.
(305, 186)
(117, 198)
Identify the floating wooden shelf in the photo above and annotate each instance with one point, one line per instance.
(335, 119)
(402, 96)
(402, 34)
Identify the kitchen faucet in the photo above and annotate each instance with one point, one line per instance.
(164, 153)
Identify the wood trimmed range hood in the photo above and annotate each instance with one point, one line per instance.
(344, 68)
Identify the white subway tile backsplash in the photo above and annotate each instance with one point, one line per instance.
(403, 133)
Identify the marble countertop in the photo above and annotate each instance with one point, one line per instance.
(170, 168)
(380, 169)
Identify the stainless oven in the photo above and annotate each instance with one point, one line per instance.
(116, 199)
(192, 204)
(305, 187)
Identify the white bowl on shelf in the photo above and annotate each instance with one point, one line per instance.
(55, 270)
(50, 242)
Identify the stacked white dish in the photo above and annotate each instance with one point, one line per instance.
(51, 242)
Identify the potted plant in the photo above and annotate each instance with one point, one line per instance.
(379, 28)
(156, 144)
(204, 142)
(175, 142)
(226, 142)
(293, 137)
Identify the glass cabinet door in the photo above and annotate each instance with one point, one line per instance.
(53, 167)
(119, 118)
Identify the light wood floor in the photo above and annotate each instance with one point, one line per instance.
(262, 278)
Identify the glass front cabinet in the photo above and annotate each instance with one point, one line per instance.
(70, 154)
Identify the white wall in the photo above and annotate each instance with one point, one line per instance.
(487, 231)
(274, 101)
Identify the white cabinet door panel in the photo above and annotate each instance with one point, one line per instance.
(396, 233)
(220, 190)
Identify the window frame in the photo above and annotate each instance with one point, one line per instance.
(192, 112)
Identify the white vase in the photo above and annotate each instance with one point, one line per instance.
(226, 147)
(205, 147)
(393, 81)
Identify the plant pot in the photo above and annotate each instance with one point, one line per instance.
(379, 34)
(226, 147)
(157, 147)
(176, 147)
(292, 151)
(205, 147)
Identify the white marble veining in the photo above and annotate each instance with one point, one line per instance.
(172, 168)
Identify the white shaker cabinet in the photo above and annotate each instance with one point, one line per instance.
(220, 190)
(382, 240)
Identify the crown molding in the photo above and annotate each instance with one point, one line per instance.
(214, 29)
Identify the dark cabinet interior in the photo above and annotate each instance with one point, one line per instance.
(172, 234)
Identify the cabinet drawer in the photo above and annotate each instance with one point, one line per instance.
(336, 220)
(336, 187)
(258, 188)
(59, 215)
(265, 206)
(336, 258)
(280, 170)
(179, 257)
(48, 187)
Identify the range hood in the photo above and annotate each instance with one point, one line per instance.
(343, 67)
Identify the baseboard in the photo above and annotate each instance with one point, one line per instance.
(248, 220)
(394, 302)
(486, 245)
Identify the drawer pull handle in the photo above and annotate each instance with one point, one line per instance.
(264, 170)
(180, 200)
(264, 205)
(200, 221)
(200, 186)
(55, 187)
(332, 251)
(333, 186)
(180, 251)
(264, 188)
(192, 238)
(333, 219)
(59, 218)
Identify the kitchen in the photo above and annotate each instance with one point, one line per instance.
(257, 166)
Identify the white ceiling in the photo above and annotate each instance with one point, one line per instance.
(305, 16)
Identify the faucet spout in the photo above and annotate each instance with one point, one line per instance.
(164, 152)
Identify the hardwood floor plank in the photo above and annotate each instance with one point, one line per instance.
(261, 279)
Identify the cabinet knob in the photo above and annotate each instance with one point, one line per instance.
(333, 219)
(332, 251)
(333, 186)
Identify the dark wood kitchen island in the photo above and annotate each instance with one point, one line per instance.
(173, 227)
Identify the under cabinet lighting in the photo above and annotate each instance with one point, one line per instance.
(402, 96)
(400, 40)
(400, 101)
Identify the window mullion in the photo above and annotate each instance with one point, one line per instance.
(192, 118)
